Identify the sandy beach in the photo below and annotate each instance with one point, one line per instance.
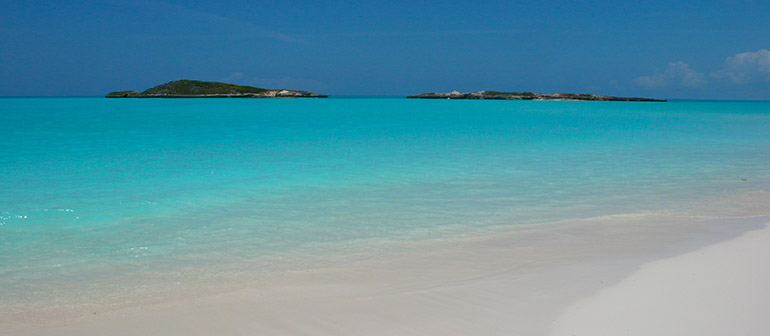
(552, 279)
(717, 290)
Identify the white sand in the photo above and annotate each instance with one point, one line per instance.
(723, 289)
(508, 284)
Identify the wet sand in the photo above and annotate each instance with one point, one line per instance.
(521, 282)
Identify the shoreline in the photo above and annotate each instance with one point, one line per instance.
(515, 282)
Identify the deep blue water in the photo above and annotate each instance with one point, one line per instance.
(96, 192)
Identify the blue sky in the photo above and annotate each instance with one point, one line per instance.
(666, 49)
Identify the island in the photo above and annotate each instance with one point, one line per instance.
(527, 96)
(200, 89)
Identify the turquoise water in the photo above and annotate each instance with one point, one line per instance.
(107, 196)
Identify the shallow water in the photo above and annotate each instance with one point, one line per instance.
(104, 197)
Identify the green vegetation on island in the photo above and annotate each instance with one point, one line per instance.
(200, 89)
(498, 95)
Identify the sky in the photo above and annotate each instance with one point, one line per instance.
(663, 49)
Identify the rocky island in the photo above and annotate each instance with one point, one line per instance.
(527, 96)
(199, 89)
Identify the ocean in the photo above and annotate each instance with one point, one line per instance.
(104, 201)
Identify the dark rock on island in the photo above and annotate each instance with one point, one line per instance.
(527, 96)
(199, 89)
